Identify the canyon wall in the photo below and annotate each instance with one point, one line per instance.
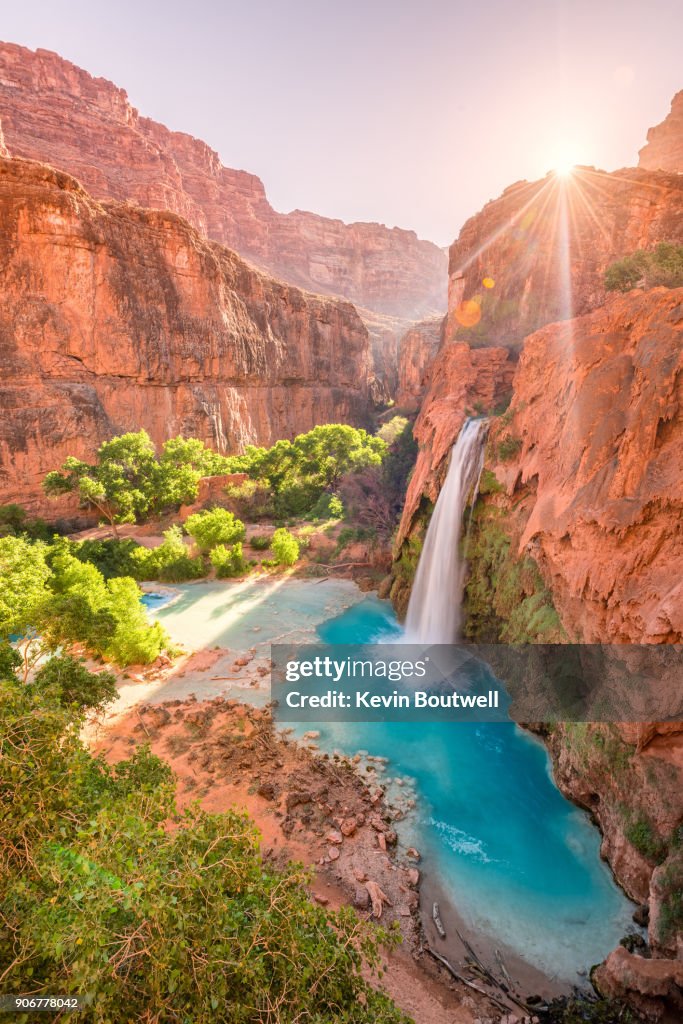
(538, 253)
(415, 354)
(115, 318)
(54, 112)
(664, 147)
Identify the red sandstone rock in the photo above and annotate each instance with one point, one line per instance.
(545, 246)
(416, 350)
(664, 148)
(115, 318)
(54, 112)
(599, 411)
(654, 986)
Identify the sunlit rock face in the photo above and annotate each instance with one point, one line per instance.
(664, 148)
(54, 112)
(115, 318)
(416, 351)
(598, 408)
(539, 252)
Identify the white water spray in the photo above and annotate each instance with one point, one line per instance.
(435, 608)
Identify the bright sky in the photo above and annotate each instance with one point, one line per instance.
(408, 112)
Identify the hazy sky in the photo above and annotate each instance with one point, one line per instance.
(406, 112)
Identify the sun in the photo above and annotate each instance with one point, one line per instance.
(564, 159)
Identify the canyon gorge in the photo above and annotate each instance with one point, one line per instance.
(146, 285)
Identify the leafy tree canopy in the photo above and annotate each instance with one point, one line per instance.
(129, 482)
(189, 923)
(214, 526)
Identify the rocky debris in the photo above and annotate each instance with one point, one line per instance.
(267, 791)
(413, 854)
(377, 897)
(348, 826)
(56, 113)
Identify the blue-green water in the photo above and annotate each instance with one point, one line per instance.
(517, 859)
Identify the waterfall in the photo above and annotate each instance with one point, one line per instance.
(435, 608)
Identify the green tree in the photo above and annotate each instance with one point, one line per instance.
(189, 923)
(170, 562)
(127, 482)
(661, 266)
(68, 682)
(228, 560)
(285, 547)
(215, 526)
(24, 573)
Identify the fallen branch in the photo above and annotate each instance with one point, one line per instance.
(465, 981)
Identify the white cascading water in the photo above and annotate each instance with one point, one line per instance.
(435, 607)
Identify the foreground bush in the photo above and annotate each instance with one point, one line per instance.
(99, 896)
(285, 547)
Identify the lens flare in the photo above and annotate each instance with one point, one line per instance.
(488, 282)
(468, 313)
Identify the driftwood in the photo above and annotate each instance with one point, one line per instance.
(503, 968)
(465, 981)
(377, 898)
(438, 923)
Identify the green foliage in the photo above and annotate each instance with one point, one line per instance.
(68, 682)
(170, 562)
(112, 557)
(261, 541)
(489, 483)
(128, 482)
(24, 572)
(662, 266)
(189, 923)
(15, 522)
(506, 599)
(670, 921)
(215, 526)
(285, 547)
(290, 477)
(508, 448)
(328, 506)
(374, 496)
(392, 429)
(642, 835)
(228, 560)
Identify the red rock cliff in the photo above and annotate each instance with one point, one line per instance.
(598, 477)
(664, 148)
(115, 318)
(539, 252)
(416, 351)
(55, 112)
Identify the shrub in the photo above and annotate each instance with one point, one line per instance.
(328, 506)
(662, 266)
(252, 500)
(15, 522)
(111, 556)
(215, 526)
(285, 547)
(508, 448)
(68, 682)
(187, 923)
(643, 837)
(228, 561)
(261, 541)
(170, 562)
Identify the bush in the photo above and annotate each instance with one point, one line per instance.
(285, 547)
(215, 526)
(662, 266)
(328, 506)
(111, 556)
(170, 562)
(228, 561)
(187, 923)
(261, 541)
(69, 683)
(15, 522)
(644, 838)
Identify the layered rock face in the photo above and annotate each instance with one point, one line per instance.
(598, 412)
(539, 252)
(115, 318)
(664, 148)
(416, 351)
(54, 112)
